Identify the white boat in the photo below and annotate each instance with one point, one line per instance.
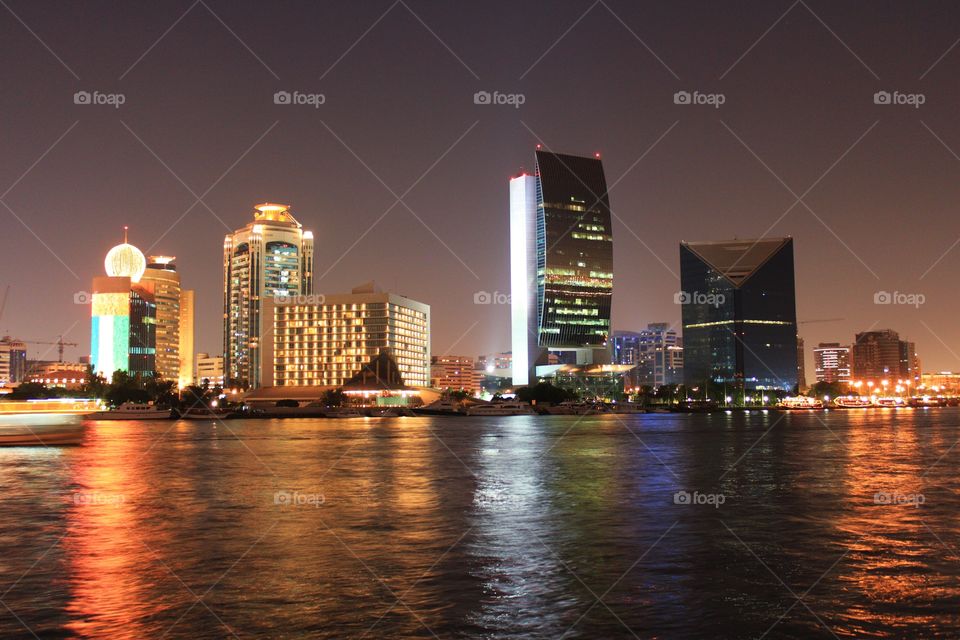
(205, 413)
(501, 409)
(441, 407)
(132, 411)
(799, 403)
(343, 412)
(852, 402)
(582, 409)
(891, 402)
(39, 423)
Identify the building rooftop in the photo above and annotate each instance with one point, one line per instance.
(737, 260)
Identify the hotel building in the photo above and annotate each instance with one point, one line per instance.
(13, 361)
(173, 316)
(271, 257)
(123, 316)
(739, 314)
(561, 264)
(832, 362)
(326, 340)
(457, 373)
(209, 370)
(187, 328)
(881, 356)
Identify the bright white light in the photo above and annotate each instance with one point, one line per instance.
(523, 212)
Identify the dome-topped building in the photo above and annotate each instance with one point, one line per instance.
(125, 261)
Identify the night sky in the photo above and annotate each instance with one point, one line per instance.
(879, 183)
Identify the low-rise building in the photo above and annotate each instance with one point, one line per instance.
(457, 373)
(210, 370)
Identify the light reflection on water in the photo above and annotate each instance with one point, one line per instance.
(488, 528)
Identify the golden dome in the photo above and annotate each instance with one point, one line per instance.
(125, 260)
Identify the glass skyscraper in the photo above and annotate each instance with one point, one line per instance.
(739, 314)
(269, 257)
(561, 255)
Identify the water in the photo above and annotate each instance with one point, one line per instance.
(841, 524)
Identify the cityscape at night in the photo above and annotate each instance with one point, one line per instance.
(407, 319)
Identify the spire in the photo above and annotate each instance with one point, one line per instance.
(125, 227)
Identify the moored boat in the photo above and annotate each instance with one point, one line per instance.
(852, 402)
(442, 407)
(800, 403)
(133, 411)
(501, 409)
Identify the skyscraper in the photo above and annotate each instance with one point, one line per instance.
(123, 315)
(162, 279)
(187, 357)
(656, 353)
(272, 256)
(739, 314)
(561, 256)
(878, 356)
(832, 362)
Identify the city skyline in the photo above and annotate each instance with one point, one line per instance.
(749, 163)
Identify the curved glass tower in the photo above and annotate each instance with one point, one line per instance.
(561, 251)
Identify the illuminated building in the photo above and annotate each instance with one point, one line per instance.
(739, 314)
(831, 362)
(458, 373)
(561, 264)
(123, 315)
(941, 382)
(187, 325)
(327, 340)
(162, 279)
(13, 361)
(881, 355)
(655, 355)
(209, 370)
(271, 257)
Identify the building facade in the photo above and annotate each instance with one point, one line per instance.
(881, 355)
(186, 372)
(328, 340)
(561, 256)
(739, 314)
(655, 353)
(209, 370)
(13, 361)
(832, 362)
(123, 316)
(457, 373)
(162, 279)
(271, 257)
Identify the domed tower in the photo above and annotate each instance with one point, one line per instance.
(123, 315)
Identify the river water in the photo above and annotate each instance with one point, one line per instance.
(836, 524)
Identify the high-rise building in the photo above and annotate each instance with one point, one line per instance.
(832, 362)
(271, 257)
(328, 340)
(209, 370)
(162, 279)
(561, 261)
(739, 314)
(123, 315)
(801, 365)
(457, 373)
(880, 356)
(655, 353)
(13, 361)
(187, 327)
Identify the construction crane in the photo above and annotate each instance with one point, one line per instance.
(60, 345)
(821, 320)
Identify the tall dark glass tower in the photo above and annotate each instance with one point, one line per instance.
(739, 314)
(561, 248)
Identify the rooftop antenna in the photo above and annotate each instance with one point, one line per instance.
(125, 227)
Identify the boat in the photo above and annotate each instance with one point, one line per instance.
(389, 412)
(501, 409)
(343, 412)
(132, 411)
(890, 402)
(43, 423)
(800, 403)
(441, 407)
(627, 407)
(852, 402)
(205, 413)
